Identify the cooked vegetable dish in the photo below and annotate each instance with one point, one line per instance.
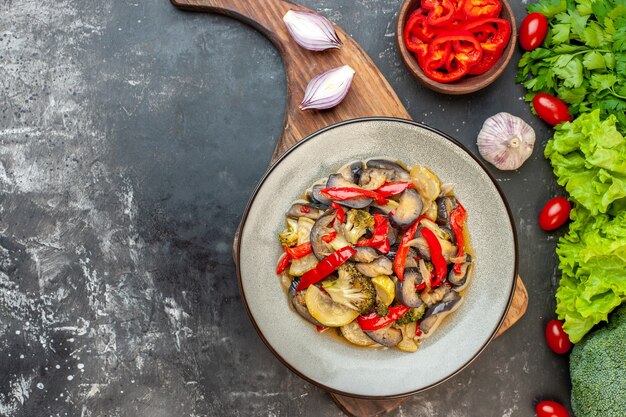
(378, 252)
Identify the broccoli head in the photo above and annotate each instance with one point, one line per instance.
(598, 370)
(412, 315)
(352, 289)
(381, 310)
(357, 224)
(289, 236)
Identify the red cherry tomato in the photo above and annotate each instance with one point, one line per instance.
(551, 109)
(551, 409)
(533, 31)
(555, 213)
(556, 338)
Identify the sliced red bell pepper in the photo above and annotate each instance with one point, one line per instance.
(325, 267)
(299, 251)
(458, 216)
(440, 13)
(330, 236)
(418, 331)
(481, 8)
(457, 64)
(483, 32)
(488, 60)
(417, 26)
(497, 40)
(346, 193)
(467, 49)
(321, 329)
(438, 53)
(283, 263)
(392, 188)
(340, 216)
(436, 257)
(379, 237)
(372, 321)
(400, 259)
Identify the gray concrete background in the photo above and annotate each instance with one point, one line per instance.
(131, 136)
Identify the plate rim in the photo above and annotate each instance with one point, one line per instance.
(284, 155)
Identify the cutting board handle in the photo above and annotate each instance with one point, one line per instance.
(370, 94)
(264, 15)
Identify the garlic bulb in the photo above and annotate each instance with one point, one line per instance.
(506, 141)
(311, 30)
(328, 89)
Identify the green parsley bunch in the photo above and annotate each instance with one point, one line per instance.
(583, 57)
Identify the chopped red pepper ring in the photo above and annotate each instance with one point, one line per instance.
(325, 267)
(441, 11)
(304, 209)
(392, 188)
(299, 251)
(417, 27)
(436, 257)
(468, 49)
(321, 329)
(487, 62)
(330, 236)
(497, 40)
(340, 216)
(438, 53)
(481, 8)
(400, 259)
(379, 237)
(346, 193)
(283, 263)
(458, 216)
(372, 321)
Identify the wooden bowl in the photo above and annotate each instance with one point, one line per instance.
(469, 83)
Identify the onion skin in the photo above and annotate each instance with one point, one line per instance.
(311, 31)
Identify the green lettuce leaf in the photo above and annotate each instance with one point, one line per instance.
(592, 259)
(588, 156)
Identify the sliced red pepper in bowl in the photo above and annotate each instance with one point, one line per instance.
(481, 8)
(467, 49)
(417, 26)
(325, 267)
(440, 13)
(496, 40)
(372, 321)
(438, 53)
(487, 62)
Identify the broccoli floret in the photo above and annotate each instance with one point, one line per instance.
(352, 289)
(357, 224)
(598, 370)
(289, 236)
(381, 310)
(412, 315)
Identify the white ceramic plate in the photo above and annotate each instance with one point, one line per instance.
(332, 363)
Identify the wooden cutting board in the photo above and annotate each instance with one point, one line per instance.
(370, 95)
